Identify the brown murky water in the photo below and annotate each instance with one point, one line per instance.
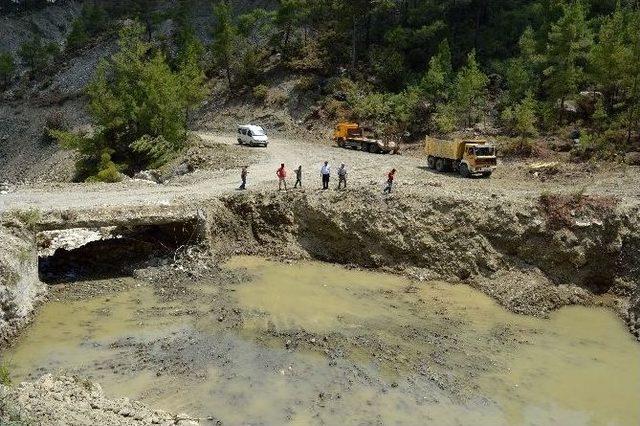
(320, 344)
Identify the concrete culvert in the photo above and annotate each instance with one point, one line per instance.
(83, 254)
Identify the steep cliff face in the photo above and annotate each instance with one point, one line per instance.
(20, 288)
(518, 251)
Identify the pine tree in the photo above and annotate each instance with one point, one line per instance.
(569, 42)
(78, 36)
(437, 81)
(224, 39)
(287, 19)
(631, 80)
(140, 107)
(191, 76)
(469, 90)
(599, 115)
(520, 72)
(609, 55)
(36, 54)
(525, 117)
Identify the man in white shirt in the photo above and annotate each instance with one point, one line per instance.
(326, 175)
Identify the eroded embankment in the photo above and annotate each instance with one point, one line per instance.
(20, 288)
(532, 255)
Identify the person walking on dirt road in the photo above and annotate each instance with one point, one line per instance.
(342, 176)
(243, 175)
(326, 175)
(390, 177)
(282, 177)
(298, 177)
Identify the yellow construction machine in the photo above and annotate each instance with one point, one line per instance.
(351, 135)
(466, 156)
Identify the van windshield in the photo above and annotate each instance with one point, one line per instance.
(258, 132)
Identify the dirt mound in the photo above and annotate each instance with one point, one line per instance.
(72, 401)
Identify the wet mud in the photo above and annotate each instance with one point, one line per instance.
(268, 342)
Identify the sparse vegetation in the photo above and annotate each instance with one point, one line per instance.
(38, 54)
(562, 210)
(28, 218)
(5, 377)
(260, 92)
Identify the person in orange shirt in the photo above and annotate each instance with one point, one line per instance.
(390, 177)
(282, 177)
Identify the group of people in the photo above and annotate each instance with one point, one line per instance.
(325, 173)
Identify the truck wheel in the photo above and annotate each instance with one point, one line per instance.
(239, 141)
(431, 162)
(340, 143)
(373, 148)
(486, 174)
(464, 170)
(440, 165)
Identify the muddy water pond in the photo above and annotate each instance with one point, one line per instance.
(311, 343)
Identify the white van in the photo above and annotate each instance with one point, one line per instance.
(252, 135)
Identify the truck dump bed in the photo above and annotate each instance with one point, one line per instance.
(453, 150)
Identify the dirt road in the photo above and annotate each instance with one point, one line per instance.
(365, 170)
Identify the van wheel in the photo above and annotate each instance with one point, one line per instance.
(464, 170)
(431, 162)
(440, 166)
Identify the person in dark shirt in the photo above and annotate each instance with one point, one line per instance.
(243, 175)
(298, 177)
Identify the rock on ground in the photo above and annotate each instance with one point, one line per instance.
(72, 401)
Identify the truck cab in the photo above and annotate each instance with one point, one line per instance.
(479, 158)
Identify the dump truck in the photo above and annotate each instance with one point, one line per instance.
(351, 135)
(466, 156)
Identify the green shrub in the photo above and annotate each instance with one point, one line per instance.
(78, 36)
(336, 109)
(278, 97)
(28, 218)
(306, 83)
(260, 92)
(516, 147)
(92, 21)
(5, 378)
(521, 119)
(7, 68)
(56, 120)
(36, 54)
(107, 170)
